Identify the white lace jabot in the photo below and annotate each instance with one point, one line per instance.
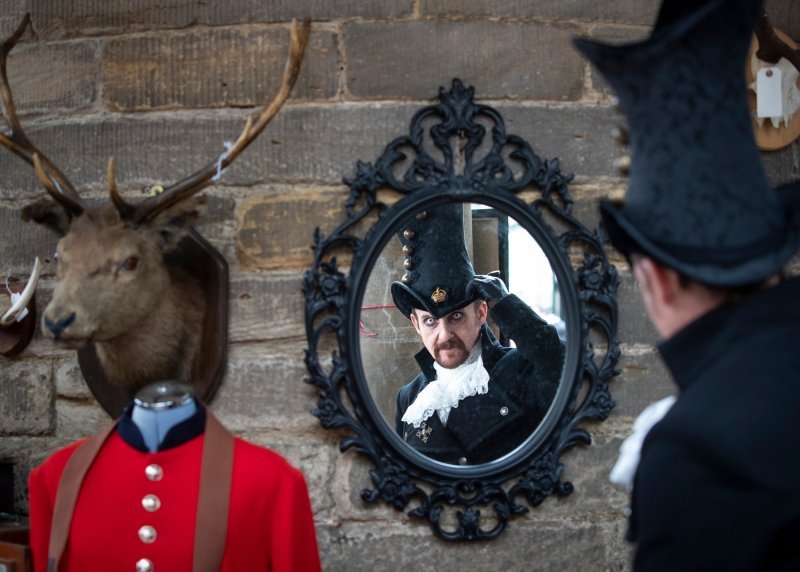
(449, 387)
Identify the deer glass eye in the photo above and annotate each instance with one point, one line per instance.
(129, 264)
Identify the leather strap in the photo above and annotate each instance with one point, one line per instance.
(67, 494)
(216, 472)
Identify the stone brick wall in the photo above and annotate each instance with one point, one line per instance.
(160, 86)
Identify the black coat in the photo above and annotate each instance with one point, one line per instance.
(718, 485)
(521, 387)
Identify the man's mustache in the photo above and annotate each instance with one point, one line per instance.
(451, 344)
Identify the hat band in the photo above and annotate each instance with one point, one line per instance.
(723, 256)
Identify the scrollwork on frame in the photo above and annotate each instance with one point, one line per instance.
(458, 151)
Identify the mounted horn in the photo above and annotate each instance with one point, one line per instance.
(197, 181)
(11, 315)
(17, 141)
(125, 210)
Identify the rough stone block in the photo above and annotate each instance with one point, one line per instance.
(546, 546)
(11, 14)
(588, 468)
(53, 77)
(634, 325)
(75, 17)
(612, 35)
(625, 11)
(275, 231)
(79, 418)
(26, 398)
(235, 67)
(317, 143)
(782, 166)
(579, 136)
(23, 242)
(216, 224)
(384, 59)
(266, 307)
(264, 389)
(644, 379)
(351, 477)
(69, 379)
(586, 211)
(782, 15)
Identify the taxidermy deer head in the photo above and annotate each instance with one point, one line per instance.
(114, 289)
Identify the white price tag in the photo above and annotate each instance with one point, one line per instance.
(769, 102)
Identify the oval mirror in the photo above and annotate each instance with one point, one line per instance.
(395, 349)
(474, 319)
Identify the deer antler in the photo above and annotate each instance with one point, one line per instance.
(11, 314)
(18, 142)
(770, 47)
(202, 178)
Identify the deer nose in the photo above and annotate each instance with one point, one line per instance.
(57, 328)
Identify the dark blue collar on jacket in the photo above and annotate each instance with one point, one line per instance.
(181, 433)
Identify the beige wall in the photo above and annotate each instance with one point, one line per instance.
(161, 85)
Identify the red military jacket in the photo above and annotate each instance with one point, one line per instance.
(270, 524)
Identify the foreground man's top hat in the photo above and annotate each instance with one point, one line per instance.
(698, 200)
(438, 270)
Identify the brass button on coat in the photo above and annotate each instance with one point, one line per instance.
(504, 411)
(408, 234)
(154, 472)
(144, 565)
(151, 503)
(462, 461)
(147, 534)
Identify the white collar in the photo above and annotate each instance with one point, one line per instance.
(630, 450)
(449, 387)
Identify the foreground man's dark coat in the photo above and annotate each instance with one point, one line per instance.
(718, 486)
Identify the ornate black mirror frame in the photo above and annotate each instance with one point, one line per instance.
(495, 172)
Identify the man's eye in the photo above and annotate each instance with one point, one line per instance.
(429, 322)
(456, 316)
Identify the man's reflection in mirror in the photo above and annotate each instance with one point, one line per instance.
(474, 400)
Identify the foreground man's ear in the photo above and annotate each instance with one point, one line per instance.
(660, 288)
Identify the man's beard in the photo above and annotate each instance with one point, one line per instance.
(451, 362)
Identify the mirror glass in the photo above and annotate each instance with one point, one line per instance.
(523, 360)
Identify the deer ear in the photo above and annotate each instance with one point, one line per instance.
(49, 213)
(174, 223)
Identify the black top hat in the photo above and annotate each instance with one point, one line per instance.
(438, 268)
(698, 200)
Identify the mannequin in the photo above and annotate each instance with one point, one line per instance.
(159, 407)
(167, 487)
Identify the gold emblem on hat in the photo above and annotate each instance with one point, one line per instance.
(439, 295)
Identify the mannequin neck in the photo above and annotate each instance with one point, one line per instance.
(159, 407)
